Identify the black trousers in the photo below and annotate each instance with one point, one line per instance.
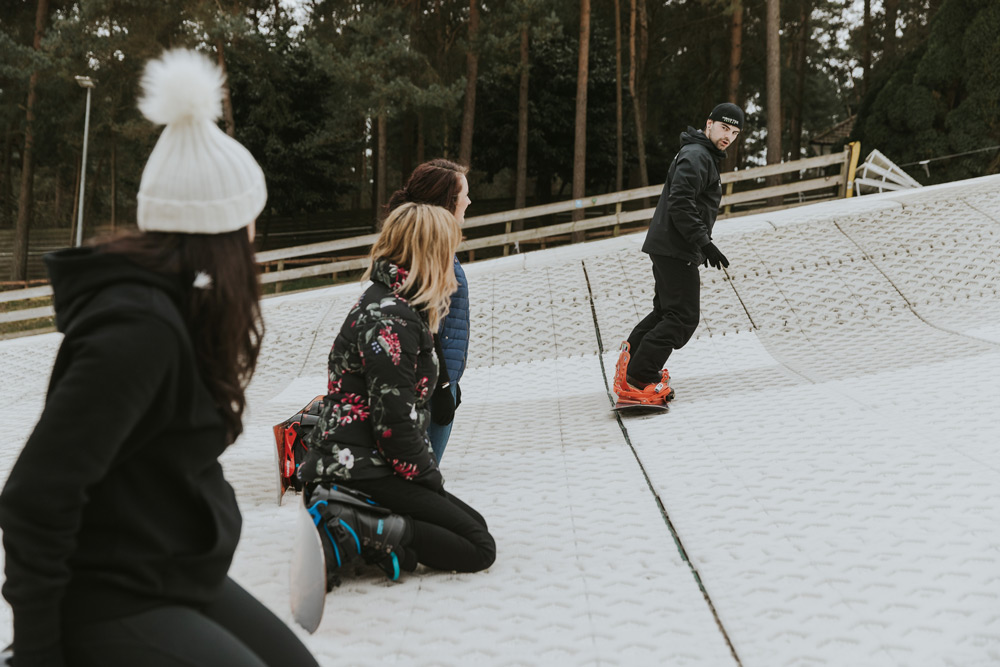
(447, 533)
(235, 630)
(671, 323)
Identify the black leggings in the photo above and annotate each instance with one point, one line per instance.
(447, 533)
(235, 630)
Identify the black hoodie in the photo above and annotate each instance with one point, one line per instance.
(117, 504)
(689, 203)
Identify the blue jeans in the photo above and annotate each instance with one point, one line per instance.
(439, 434)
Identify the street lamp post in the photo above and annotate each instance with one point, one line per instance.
(88, 83)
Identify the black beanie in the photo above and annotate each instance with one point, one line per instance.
(728, 113)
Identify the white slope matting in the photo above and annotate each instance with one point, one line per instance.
(829, 467)
(587, 572)
(833, 472)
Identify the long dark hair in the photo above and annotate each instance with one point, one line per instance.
(434, 182)
(223, 319)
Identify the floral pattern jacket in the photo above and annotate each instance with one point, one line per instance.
(382, 370)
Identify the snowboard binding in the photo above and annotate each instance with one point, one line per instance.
(352, 526)
(290, 446)
(651, 398)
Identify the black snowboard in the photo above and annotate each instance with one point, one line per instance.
(639, 409)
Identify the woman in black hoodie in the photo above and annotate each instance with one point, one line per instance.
(118, 525)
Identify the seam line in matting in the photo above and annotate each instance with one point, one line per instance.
(649, 483)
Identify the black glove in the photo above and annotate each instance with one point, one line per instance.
(458, 395)
(442, 402)
(442, 406)
(714, 256)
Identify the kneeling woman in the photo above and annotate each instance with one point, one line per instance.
(372, 432)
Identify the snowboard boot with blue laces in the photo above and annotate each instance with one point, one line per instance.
(353, 526)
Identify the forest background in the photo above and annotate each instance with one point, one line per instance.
(544, 99)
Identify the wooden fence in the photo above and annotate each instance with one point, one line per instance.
(743, 195)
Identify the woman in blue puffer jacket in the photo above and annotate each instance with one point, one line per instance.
(443, 183)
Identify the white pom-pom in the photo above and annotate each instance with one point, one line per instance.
(181, 85)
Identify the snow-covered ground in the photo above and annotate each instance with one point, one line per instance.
(824, 491)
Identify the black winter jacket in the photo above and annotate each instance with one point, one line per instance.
(382, 371)
(689, 203)
(117, 504)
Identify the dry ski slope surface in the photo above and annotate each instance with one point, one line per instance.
(824, 490)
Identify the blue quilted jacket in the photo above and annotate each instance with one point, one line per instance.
(454, 331)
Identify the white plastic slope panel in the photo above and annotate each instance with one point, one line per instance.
(541, 313)
(838, 503)
(946, 272)
(586, 574)
(565, 458)
(25, 366)
(831, 526)
(622, 285)
(298, 334)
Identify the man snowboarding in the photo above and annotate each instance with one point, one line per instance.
(678, 240)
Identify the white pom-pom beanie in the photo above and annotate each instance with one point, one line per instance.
(198, 179)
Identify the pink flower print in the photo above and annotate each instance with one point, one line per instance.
(387, 433)
(423, 387)
(404, 470)
(390, 341)
(333, 386)
(352, 408)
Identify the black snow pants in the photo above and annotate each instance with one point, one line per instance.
(235, 630)
(447, 533)
(671, 323)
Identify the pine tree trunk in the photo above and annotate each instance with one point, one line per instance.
(735, 74)
(114, 183)
(373, 193)
(362, 168)
(773, 91)
(420, 138)
(227, 100)
(471, 73)
(801, 47)
(866, 47)
(57, 204)
(407, 147)
(636, 80)
(381, 197)
(25, 201)
(889, 35)
(580, 136)
(88, 204)
(5, 175)
(521, 179)
(619, 148)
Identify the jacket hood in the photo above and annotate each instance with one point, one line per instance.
(693, 136)
(77, 274)
(391, 275)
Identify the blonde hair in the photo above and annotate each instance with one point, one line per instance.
(422, 239)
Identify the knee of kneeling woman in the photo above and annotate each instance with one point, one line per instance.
(487, 552)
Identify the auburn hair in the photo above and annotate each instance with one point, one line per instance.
(434, 182)
(222, 317)
(421, 239)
